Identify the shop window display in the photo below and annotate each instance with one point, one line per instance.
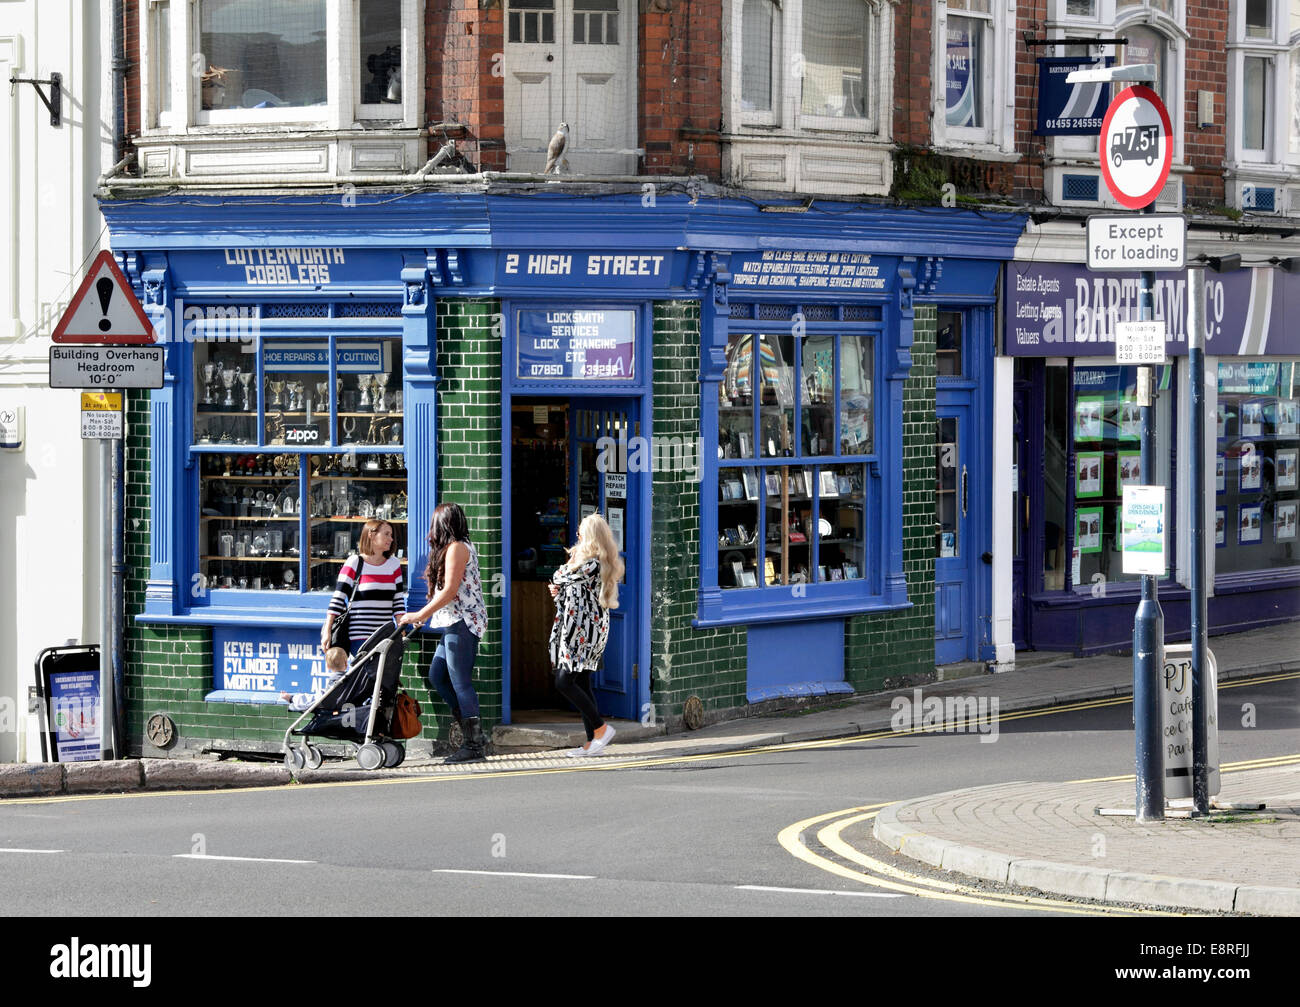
(276, 512)
(1092, 450)
(1257, 494)
(805, 401)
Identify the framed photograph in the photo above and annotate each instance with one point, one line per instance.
(342, 544)
(1285, 468)
(275, 542)
(1221, 422)
(1130, 421)
(737, 572)
(821, 573)
(1220, 531)
(827, 484)
(845, 485)
(746, 444)
(1250, 469)
(794, 484)
(772, 483)
(1284, 521)
(748, 578)
(850, 571)
(735, 490)
(1288, 410)
(1220, 471)
(751, 484)
(1252, 419)
(1129, 464)
(807, 483)
(1250, 524)
(1087, 473)
(1087, 529)
(837, 573)
(1087, 417)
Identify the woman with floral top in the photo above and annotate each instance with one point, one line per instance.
(585, 589)
(456, 605)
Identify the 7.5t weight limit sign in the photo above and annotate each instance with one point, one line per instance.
(1137, 147)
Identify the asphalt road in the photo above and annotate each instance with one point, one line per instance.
(697, 836)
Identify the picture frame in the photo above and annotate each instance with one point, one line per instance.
(821, 572)
(746, 443)
(735, 489)
(1088, 473)
(772, 483)
(827, 484)
(1087, 529)
(1252, 419)
(845, 485)
(748, 578)
(750, 479)
(1220, 472)
(850, 571)
(1221, 422)
(1284, 522)
(1250, 524)
(808, 483)
(1087, 417)
(1220, 527)
(836, 573)
(1129, 466)
(1130, 420)
(1284, 468)
(342, 544)
(737, 571)
(1250, 469)
(1288, 412)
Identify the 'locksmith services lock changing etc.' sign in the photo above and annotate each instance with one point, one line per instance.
(583, 344)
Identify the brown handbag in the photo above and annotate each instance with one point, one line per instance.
(406, 717)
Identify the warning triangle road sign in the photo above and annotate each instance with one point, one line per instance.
(104, 309)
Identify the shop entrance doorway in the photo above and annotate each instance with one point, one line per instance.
(569, 457)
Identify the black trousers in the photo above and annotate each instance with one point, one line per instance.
(575, 686)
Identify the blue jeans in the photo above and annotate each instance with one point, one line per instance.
(453, 664)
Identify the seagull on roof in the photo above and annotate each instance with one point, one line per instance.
(555, 151)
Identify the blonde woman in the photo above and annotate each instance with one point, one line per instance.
(585, 589)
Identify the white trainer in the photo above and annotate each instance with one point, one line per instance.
(597, 745)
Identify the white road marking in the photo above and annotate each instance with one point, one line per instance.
(819, 891)
(255, 860)
(516, 874)
(16, 850)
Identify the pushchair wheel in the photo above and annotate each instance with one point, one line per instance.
(314, 758)
(370, 756)
(393, 754)
(293, 760)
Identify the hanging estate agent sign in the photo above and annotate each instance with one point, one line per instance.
(1070, 109)
(582, 344)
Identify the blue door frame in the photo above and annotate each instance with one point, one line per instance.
(629, 657)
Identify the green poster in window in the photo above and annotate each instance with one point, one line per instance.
(1088, 473)
(1088, 411)
(1087, 529)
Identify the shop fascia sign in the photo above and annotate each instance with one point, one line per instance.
(350, 357)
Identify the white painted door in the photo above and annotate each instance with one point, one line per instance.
(571, 61)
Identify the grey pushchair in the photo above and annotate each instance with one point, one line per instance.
(357, 708)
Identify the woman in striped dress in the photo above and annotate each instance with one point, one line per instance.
(370, 587)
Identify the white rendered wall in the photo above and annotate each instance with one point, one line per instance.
(50, 517)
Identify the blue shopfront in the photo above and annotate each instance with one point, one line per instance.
(720, 382)
(1078, 440)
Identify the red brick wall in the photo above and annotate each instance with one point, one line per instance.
(680, 88)
(131, 91)
(913, 46)
(462, 48)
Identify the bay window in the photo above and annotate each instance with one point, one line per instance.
(1258, 108)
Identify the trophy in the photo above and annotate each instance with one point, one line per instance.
(209, 378)
(228, 381)
(322, 388)
(381, 380)
(244, 379)
(364, 404)
(277, 389)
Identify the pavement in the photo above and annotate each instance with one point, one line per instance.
(1044, 836)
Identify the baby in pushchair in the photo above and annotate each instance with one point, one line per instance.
(336, 663)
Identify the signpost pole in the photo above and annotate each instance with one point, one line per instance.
(1200, 685)
(1149, 623)
(106, 606)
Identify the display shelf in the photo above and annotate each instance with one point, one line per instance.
(258, 518)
